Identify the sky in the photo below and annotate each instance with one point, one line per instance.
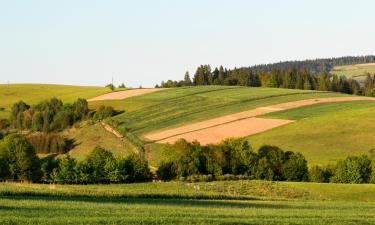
(139, 42)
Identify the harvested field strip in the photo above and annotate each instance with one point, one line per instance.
(124, 94)
(240, 128)
(202, 130)
(170, 112)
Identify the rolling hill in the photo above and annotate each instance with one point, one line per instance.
(34, 93)
(356, 71)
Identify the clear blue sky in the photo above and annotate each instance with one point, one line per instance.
(143, 42)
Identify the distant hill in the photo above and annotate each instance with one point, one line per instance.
(315, 65)
(34, 93)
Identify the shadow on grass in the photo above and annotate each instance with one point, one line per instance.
(178, 202)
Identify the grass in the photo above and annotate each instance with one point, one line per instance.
(34, 93)
(89, 136)
(324, 133)
(357, 70)
(231, 202)
(175, 107)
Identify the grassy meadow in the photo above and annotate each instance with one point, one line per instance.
(175, 107)
(87, 137)
(34, 93)
(325, 132)
(229, 202)
(356, 71)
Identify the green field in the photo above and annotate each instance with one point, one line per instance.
(34, 93)
(174, 107)
(357, 70)
(324, 132)
(90, 136)
(230, 202)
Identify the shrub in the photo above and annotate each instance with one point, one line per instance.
(66, 172)
(48, 164)
(104, 112)
(4, 123)
(20, 159)
(110, 86)
(372, 178)
(354, 170)
(294, 167)
(165, 171)
(319, 174)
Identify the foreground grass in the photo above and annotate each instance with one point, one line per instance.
(324, 133)
(34, 93)
(231, 202)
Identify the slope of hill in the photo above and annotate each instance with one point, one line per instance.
(356, 70)
(175, 107)
(34, 93)
(325, 132)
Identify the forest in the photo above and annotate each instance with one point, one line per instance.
(305, 75)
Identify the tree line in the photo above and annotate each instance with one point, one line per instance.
(191, 161)
(187, 161)
(291, 77)
(18, 161)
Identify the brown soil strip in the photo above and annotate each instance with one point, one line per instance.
(124, 94)
(202, 131)
(239, 128)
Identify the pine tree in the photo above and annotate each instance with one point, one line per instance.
(187, 80)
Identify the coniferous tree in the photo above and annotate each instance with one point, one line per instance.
(187, 80)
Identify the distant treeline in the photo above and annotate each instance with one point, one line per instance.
(304, 75)
(235, 159)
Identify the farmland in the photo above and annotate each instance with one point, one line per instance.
(325, 132)
(176, 107)
(231, 202)
(34, 93)
(356, 70)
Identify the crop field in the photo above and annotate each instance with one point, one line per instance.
(34, 93)
(324, 132)
(176, 107)
(124, 94)
(357, 71)
(229, 202)
(238, 124)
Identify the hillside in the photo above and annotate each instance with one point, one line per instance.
(175, 107)
(34, 93)
(324, 132)
(355, 70)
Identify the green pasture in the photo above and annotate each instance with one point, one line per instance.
(229, 202)
(325, 132)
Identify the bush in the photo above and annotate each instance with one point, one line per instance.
(48, 164)
(319, 174)
(104, 112)
(19, 159)
(66, 172)
(294, 167)
(4, 123)
(354, 170)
